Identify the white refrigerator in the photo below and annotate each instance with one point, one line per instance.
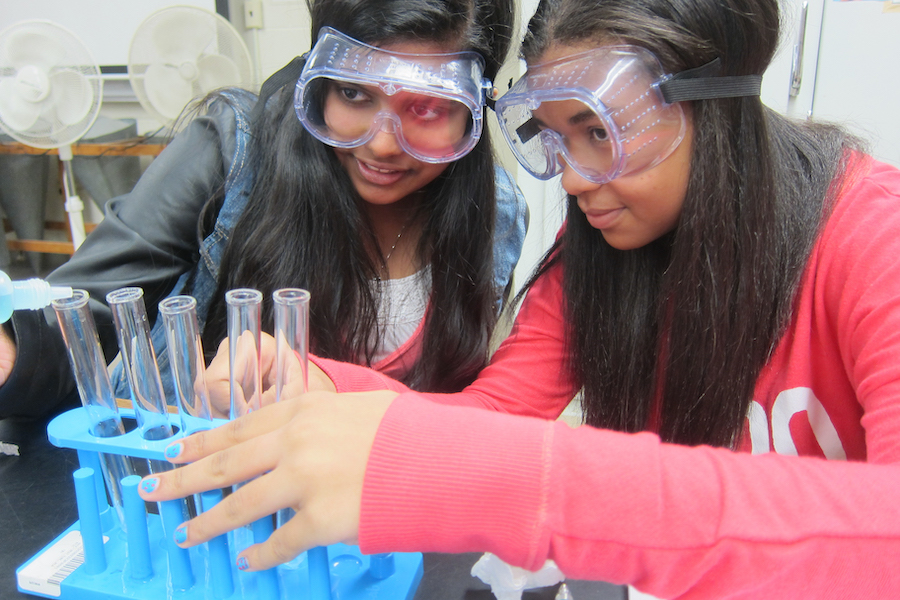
(840, 61)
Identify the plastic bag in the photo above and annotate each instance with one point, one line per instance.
(508, 582)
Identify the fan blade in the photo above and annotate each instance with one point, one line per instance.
(217, 71)
(182, 36)
(32, 48)
(16, 112)
(166, 90)
(72, 96)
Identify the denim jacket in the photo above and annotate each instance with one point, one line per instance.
(509, 235)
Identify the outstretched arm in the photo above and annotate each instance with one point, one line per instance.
(536, 346)
(403, 474)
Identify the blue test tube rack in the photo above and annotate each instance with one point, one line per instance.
(96, 559)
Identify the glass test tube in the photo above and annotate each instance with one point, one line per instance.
(291, 353)
(244, 306)
(79, 333)
(291, 340)
(186, 357)
(139, 361)
(244, 377)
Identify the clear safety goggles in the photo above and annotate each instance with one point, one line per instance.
(349, 91)
(607, 112)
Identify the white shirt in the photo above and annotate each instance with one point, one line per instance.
(401, 308)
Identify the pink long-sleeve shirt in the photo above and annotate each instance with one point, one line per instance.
(775, 520)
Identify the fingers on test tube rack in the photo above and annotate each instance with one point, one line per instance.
(142, 531)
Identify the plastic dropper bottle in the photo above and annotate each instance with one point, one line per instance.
(30, 293)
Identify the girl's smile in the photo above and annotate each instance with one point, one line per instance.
(379, 175)
(382, 173)
(603, 219)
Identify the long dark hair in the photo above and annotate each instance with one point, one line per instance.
(674, 335)
(304, 226)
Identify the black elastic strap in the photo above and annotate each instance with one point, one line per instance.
(289, 73)
(704, 83)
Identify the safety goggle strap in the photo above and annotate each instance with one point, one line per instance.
(704, 83)
(289, 73)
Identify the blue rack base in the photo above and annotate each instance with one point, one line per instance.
(350, 576)
(90, 560)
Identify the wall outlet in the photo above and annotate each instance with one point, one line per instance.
(253, 14)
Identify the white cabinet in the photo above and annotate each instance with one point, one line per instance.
(847, 71)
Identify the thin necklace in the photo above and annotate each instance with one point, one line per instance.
(384, 264)
(397, 241)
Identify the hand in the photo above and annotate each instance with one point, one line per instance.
(319, 381)
(219, 384)
(308, 453)
(217, 380)
(7, 355)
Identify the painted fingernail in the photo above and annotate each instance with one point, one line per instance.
(242, 564)
(174, 450)
(149, 484)
(181, 533)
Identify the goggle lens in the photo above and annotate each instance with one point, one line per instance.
(600, 112)
(347, 114)
(583, 139)
(349, 91)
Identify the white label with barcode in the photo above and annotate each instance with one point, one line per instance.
(44, 574)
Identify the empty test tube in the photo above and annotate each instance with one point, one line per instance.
(179, 314)
(79, 334)
(244, 306)
(291, 351)
(139, 360)
(292, 369)
(291, 340)
(186, 358)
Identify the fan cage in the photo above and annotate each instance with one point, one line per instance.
(182, 26)
(48, 131)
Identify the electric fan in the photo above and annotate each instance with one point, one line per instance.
(50, 93)
(181, 53)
